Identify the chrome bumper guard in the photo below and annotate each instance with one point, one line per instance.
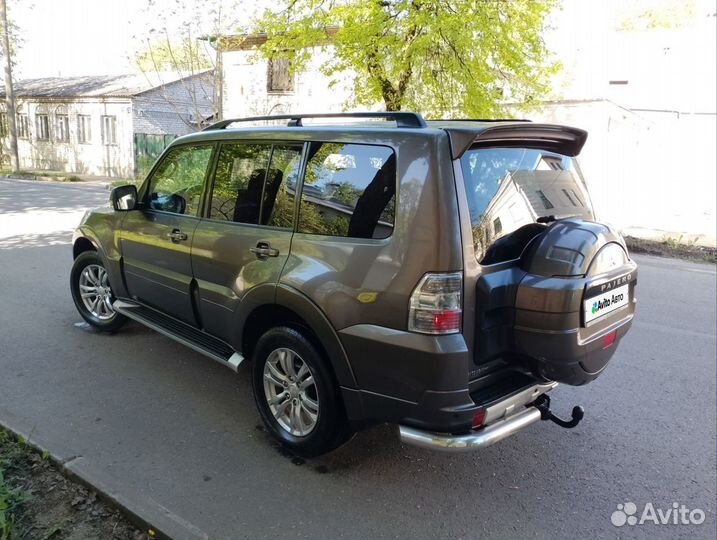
(470, 441)
(510, 422)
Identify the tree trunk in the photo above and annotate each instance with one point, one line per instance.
(9, 93)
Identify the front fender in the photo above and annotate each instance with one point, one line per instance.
(102, 229)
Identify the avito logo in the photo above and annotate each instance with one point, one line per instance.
(607, 301)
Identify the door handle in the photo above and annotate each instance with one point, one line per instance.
(264, 250)
(177, 236)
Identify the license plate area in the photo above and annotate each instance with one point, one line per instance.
(601, 300)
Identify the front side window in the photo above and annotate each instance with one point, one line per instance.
(176, 185)
(349, 190)
(109, 130)
(84, 128)
(509, 189)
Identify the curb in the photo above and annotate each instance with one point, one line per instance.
(144, 512)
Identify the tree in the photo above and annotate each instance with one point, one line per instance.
(444, 58)
(178, 38)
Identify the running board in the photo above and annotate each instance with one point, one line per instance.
(181, 332)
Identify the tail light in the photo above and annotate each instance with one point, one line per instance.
(435, 306)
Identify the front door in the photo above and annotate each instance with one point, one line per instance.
(244, 241)
(156, 240)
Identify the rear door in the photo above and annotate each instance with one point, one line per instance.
(245, 237)
(156, 239)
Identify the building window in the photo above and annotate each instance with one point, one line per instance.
(62, 124)
(279, 77)
(3, 125)
(109, 130)
(497, 227)
(84, 128)
(567, 195)
(23, 126)
(43, 127)
(546, 202)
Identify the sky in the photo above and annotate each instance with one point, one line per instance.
(668, 68)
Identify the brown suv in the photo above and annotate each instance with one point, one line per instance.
(441, 275)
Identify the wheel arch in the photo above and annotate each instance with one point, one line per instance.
(263, 309)
(82, 244)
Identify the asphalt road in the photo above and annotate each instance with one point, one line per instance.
(169, 431)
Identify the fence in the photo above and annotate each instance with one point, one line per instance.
(147, 148)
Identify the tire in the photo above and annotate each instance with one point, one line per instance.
(300, 432)
(87, 276)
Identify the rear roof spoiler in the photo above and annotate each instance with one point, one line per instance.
(560, 139)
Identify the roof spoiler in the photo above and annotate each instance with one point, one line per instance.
(560, 139)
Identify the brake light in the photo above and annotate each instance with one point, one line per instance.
(435, 305)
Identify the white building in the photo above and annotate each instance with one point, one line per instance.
(255, 86)
(106, 125)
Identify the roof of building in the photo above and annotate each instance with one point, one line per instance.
(127, 85)
(245, 42)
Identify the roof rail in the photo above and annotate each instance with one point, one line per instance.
(402, 119)
(479, 120)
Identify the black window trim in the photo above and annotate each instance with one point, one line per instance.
(300, 193)
(209, 189)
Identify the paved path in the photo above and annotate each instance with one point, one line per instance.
(175, 435)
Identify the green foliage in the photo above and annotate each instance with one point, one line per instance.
(12, 498)
(657, 15)
(459, 58)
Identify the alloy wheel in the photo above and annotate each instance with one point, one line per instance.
(95, 292)
(290, 391)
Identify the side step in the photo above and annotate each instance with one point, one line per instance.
(181, 332)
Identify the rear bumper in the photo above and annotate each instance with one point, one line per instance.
(473, 440)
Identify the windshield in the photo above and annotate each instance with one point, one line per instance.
(510, 190)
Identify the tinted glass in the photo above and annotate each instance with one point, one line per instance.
(176, 186)
(278, 206)
(349, 190)
(511, 191)
(239, 182)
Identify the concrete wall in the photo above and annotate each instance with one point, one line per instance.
(245, 88)
(93, 158)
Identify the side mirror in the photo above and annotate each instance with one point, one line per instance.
(124, 198)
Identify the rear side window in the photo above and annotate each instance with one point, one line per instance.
(255, 184)
(239, 182)
(349, 190)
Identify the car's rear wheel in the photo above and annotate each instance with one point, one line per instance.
(295, 393)
(92, 294)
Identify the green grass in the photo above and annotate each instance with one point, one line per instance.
(12, 496)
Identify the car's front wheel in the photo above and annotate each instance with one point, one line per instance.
(92, 294)
(295, 393)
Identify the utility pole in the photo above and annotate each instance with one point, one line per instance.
(9, 93)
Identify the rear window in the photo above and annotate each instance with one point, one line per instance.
(509, 189)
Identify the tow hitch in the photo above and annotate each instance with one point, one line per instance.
(543, 405)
